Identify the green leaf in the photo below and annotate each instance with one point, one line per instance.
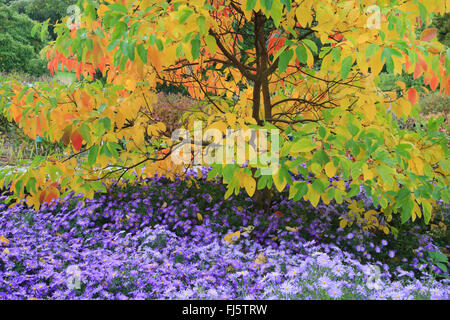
(407, 207)
(92, 157)
(277, 12)
(311, 45)
(104, 150)
(112, 45)
(31, 184)
(426, 211)
(438, 256)
(97, 186)
(131, 49)
(142, 52)
(85, 132)
(336, 54)
(119, 7)
(195, 43)
(318, 186)
(250, 4)
(298, 190)
(302, 56)
(120, 29)
(185, 13)
(35, 29)
(201, 22)
(441, 266)
(353, 191)
(385, 174)
(267, 4)
(346, 66)
(371, 50)
(303, 145)
(284, 60)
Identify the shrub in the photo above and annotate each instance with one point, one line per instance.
(435, 104)
(19, 51)
(170, 109)
(42, 10)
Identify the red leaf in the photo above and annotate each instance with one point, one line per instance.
(428, 34)
(413, 96)
(276, 42)
(50, 196)
(278, 213)
(42, 196)
(77, 140)
(434, 82)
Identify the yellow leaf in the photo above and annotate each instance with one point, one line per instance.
(401, 84)
(6, 251)
(368, 174)
(199, 217)
(303, 145)
(4, 240)
(416, 165)
(261, 259)
(130, 84)
(330, 169)
(232, 237)
(369, 111)
(291, 229)
(343, 223)
(231, 119)
(280, 185)
(304, 16)
(313, 196)
(250, 185)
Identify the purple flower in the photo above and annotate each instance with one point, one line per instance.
(324, 282)
(334, 291)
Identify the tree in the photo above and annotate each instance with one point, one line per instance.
(43, 10)
(441, 22)
(250, 64)
(19, 51)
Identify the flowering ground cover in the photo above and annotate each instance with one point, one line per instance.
(172, 240)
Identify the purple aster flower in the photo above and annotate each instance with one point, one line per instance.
(334, 291)
(324, 282)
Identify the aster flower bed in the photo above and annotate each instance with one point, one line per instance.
(169, 240)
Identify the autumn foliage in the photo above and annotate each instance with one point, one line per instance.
(309, 69)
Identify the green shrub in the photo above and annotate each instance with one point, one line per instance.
(42, 10)
(19, 51)
(434, 104)
(387, 81)
(442, 23)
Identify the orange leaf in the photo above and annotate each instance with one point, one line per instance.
(434, 82)
(428, 34)
(77, 140)
(52, 194)
(417, 72)
(413, 96)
